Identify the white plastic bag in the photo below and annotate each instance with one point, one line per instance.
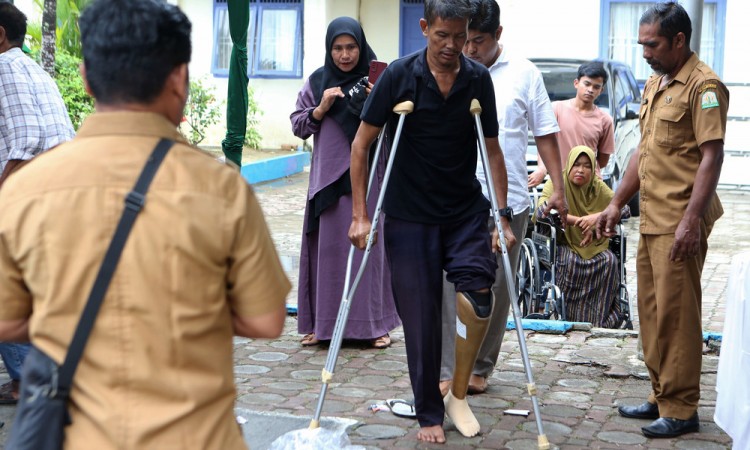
(733, 395)
(314, 439)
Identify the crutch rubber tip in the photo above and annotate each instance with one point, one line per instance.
(531, 387)
(326, 376)
(475, 108)
(404, 107)
(316, 424)
(543, 442)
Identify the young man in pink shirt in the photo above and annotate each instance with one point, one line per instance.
(581, 121)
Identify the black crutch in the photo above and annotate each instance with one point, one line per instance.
(402, 109)
(542, 441)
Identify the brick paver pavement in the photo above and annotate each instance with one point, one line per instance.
(581, 376)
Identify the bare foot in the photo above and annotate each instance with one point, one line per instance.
(461, 415)
(434, 434)
(445, 386)
(477, 385)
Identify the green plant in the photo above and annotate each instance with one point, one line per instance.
(252, 135)
(202, 110)
(70, 84)
(67, 33)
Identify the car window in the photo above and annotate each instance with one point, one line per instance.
(633, 85)
(558, 80)
(623, 95)
(628, 96)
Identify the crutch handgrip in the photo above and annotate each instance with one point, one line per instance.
(404, 107)
(475, 108)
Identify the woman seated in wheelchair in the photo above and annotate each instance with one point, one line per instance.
(587, 272)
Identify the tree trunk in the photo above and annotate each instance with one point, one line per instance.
(49, 22)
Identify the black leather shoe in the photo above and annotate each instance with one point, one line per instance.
(665, 427)
(645, 411)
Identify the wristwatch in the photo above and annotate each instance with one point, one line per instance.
(507, 212)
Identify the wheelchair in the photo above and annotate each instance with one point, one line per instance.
(539, 297)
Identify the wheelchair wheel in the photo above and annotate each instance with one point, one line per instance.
(527, 278)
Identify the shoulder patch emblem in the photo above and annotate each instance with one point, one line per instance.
(709, 100)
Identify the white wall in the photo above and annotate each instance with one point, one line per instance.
(559, 29)
(736, 42)
(33, 14)
(380, 20)
(277, 97)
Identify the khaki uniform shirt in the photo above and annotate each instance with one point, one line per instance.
(675, 120)
(157, 371)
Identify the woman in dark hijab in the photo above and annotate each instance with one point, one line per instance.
(328, 108)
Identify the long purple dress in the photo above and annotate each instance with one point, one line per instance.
(322, 268)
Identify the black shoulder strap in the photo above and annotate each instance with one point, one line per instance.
(134, 201)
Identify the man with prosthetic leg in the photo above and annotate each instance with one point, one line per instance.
(435, 214)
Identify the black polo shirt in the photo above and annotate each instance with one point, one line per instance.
(433, 177)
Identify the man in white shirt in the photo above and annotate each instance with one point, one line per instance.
(522, 105)
(33, 117)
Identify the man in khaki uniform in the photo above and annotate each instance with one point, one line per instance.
(198, 268)
(683, 123)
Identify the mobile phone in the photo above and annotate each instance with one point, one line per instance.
(376, 68)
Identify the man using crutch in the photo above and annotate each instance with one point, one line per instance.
(435, 213)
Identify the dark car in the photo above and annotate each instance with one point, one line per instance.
(620, 98)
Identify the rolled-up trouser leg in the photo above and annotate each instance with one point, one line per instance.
(473, 312)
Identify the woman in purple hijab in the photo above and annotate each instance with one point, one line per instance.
(328, 108)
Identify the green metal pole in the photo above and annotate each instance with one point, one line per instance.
(239, 18)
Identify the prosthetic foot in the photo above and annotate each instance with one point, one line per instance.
(473, 311)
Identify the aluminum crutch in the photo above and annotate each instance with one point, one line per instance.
(402, 109)
(476, 110)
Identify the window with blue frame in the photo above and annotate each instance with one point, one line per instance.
(619, 34)
(412, 38)
(274, 39)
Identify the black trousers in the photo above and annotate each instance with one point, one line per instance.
(418, 253)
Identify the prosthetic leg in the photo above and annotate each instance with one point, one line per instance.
(473, 311)
(402, 109)
(542, 441)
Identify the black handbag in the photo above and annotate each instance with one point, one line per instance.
(42, 413)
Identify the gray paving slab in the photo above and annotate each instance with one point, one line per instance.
(582, 376)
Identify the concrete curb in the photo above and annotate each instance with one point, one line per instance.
(552, 326)
(274, 168)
